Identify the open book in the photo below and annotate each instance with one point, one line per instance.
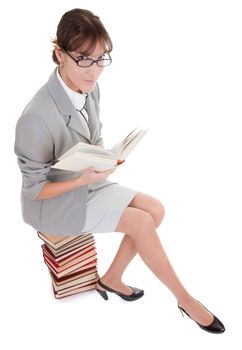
(83, 155)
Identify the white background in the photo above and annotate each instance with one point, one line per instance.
(176, 70)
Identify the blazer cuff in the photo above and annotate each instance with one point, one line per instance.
(31, 193)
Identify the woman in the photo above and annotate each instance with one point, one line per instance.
(66, 111)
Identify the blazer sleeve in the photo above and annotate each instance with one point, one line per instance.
(35, 153)
(100, 139)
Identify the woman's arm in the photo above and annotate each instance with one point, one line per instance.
(34, 149)
(52, 189)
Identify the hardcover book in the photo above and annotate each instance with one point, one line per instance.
(71, 262)
(84, 155)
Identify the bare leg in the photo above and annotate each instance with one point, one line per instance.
(139, 225)
(127, 249)
(113, 276)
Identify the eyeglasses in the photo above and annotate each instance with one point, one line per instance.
(84, 61)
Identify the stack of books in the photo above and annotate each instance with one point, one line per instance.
(71, 262)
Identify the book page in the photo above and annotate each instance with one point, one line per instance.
(123, 148)
(117, 148)
(84, 155)
(87, 148)
(129, 146)
(79, 161)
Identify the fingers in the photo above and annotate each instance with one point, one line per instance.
(120, 161)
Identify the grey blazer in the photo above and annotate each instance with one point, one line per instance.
(49, 126)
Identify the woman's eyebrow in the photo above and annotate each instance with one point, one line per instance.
(84, 54)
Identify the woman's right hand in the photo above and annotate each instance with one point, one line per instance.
(90, 175)
(52, 189)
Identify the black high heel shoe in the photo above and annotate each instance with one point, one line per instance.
(215, 327)
(137, 293)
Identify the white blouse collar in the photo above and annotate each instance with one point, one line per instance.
(78, 99)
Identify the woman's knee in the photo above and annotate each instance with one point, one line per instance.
(135, 221)
(151, 205)
(159, 212)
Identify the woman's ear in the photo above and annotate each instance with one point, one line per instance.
(59, 54)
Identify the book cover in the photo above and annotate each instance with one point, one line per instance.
(80, 282)
(60, 272)
(70, 248)
(69, 262)
(64, 258)
(77, 290)
(85, 269)
(68, 259)
(73, 276)
(57, 242)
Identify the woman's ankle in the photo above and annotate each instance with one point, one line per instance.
(185, 300)
(109, 279)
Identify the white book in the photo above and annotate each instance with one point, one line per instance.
(84, 155)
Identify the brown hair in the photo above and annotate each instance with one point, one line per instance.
(80, 28)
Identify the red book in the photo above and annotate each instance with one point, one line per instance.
(60, 261)
(62, 271)
(69, 262)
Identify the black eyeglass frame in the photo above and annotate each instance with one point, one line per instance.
(77, 60)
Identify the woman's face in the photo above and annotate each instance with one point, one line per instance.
(79, 78)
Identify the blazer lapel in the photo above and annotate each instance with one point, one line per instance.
(78, 123)
(73, 119)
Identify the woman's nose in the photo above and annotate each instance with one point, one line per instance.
(94, 70)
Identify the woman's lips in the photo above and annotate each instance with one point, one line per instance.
(90, 81)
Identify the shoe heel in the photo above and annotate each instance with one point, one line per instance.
(103, 294)
(181, 310)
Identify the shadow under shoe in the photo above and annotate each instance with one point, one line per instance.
(137, 293)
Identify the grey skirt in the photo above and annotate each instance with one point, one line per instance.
(105, 204)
